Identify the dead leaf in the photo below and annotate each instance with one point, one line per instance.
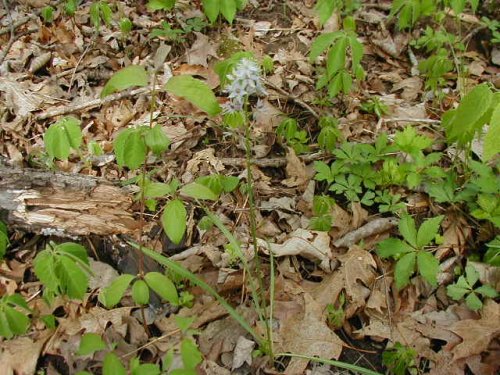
(242, 352)
(477, 334)
(308, 334)
(20, 355)
(295, 171)
(200, 51)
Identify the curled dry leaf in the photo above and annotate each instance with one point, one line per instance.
(312, 245)
(373, 227)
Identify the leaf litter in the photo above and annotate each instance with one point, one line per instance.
(58, 68)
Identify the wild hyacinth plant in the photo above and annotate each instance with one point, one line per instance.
(245, 80)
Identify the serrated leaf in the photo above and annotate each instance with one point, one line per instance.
(195, 91)
(336, 57)
(191, 356)
(90, 343)
(487, 291)
(471, 275)
(198, 191)
(174, 219)
(18, 323)
(73, 280)
(112, 365)
(473, 302)
(75, 250)
(62, 136)
(428, 230)
(134, 150)
(119, 145)
(408, 230)
(456, 292)
(45, 270)
(321, 43)
(228, 9)
(140, 292)
(157, 140)
(428, 266)
(392, 247)
(130, 76)
(5, 330)
(162, 286)
(405, 267)
(111, 295)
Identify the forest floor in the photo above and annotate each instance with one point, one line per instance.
(337, 282)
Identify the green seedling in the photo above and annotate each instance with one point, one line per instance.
(14, 319)
(411, 253)
(376, 106)
(400, 360)
(464, 287)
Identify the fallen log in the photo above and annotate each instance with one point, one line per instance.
(64, 204)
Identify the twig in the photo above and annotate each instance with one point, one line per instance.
(271, 162)
(292, 98)
(92, 103)
(422, 120)
(14, 26)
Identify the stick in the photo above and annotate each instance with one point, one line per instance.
(293, 98)
(271, 162)
(92, 103)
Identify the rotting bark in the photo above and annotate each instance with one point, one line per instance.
(64, 204)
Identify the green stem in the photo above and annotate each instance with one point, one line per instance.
(177, 268)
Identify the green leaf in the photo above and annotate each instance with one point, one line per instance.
(174, 219)
(428, 230)
(112, 365)
(73, 280)
(321, 43)
(135, 150)
(162, 286)
(45, 270)
(157, 190)
(140, 292)
(146, 369)
(90, 343)
(336, 57)
(467, 118)
(323, 172)
(75, 250)
(4, 243)
(408, 230)
(487, 291)
(5, 330)
(228, 9)
(456, 292)
(392, 247)
(471, 275)
(17, 322)
(229, 183)
(191, 355)
(130, 76)
(198, 191)
(195, 91)
(213, 182)
(157, 140)
(112, 295)
(324, 9)
(473, 302)
(322, 204)
(119, 145)
(491, 146)
(405, 267)
(160, 4)
(327, 138)
(211, 8)
(62, 136)
(428, 267)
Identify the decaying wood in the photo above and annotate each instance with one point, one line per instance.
(64, 204)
